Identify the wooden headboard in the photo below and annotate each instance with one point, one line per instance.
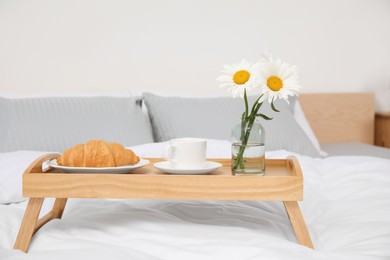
(340, 117)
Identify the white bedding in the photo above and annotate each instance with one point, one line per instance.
(346, 208)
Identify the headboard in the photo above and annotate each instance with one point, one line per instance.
(340, 117)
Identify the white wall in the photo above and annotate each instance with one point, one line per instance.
(179, 46)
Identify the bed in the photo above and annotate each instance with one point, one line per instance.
(346, 180)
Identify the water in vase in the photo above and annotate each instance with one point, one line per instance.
(253, 159)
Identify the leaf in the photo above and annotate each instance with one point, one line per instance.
(256, 105)
(246, 103)
(264, 116)
(273, 106)
(257, 100)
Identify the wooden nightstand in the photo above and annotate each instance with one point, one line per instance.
(382, 129)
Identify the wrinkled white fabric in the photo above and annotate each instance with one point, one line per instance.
(346, 208)
(12, 166)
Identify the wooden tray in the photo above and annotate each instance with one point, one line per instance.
(282, 181)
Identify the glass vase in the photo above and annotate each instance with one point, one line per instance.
(248, 153)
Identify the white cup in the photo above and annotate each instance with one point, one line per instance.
(187, 153)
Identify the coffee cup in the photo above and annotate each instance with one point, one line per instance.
(187, 153)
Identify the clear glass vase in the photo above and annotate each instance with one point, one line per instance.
(248, 153)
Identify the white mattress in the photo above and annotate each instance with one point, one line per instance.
(356, 149)
(346, 208)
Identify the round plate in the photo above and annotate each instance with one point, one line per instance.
(118, 169)
(166, 167)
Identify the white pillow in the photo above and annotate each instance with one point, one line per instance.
(301, 119)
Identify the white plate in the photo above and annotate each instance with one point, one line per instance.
(118, 169)
(166, 167)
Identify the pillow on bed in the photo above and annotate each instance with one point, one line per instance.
(57, 123)
(213, 118)
(301, 119)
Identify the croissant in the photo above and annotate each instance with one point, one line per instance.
(97, 153)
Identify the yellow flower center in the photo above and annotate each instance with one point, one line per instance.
(275, 83)
(241, 77)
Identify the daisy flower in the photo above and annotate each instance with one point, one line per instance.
(277, 79)
(239, 77)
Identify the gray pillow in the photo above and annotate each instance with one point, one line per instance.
(57, 123)
(213, 118)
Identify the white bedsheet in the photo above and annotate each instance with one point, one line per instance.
(346, 208)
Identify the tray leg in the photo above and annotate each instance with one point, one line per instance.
(27, 228)
(56, 212)
(298, 224)
(31, 224)
(59, 207)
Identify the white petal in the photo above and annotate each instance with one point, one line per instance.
(266, 57)
(228, 68)
(224, 84)
(225, 78)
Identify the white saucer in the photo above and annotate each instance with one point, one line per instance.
(166, 167)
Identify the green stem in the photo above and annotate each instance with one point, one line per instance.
(246, 103)
(244, 137)
(239, 161)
